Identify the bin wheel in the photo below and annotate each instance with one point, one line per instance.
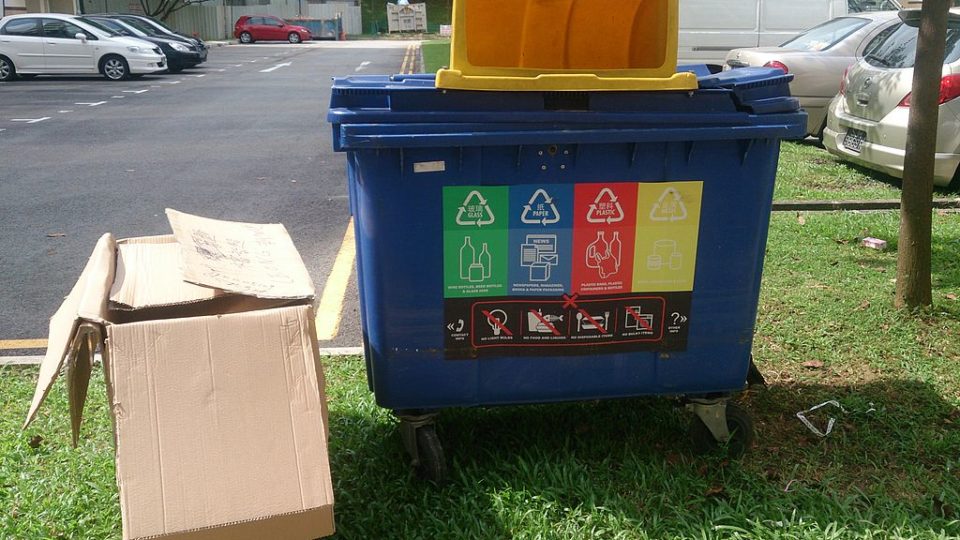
(741, 433)
(432, 464)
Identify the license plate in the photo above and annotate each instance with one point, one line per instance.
(853, 140)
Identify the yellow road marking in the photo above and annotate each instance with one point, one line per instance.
(12, 344)
(331, 302)
(406, 59)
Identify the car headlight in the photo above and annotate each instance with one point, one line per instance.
(179, 47)
(134, 48)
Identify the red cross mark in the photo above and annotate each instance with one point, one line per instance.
(546, 323)
(496, 322)
(570, 301)
(643, 322)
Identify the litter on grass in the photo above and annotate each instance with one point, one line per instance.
(816, 431)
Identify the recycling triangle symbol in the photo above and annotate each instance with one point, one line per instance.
(605, 208)
(669, 207)
(475, 211)
(540, 210)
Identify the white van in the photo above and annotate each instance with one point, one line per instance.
(711, 28)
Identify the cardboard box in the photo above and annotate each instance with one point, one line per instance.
(213, 376)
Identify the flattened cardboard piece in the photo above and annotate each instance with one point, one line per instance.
(148, 275)
(238, 404)
(79, 366)
(245, 258)
(87, 300)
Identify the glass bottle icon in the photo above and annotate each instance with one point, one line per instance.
(615, 246)
(467, 255)
(484, 261)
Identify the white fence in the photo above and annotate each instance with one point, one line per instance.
(214, 20)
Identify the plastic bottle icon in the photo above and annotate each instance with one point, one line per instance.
(615, 246)
(468, 254)
(604, 256)
(484, 260)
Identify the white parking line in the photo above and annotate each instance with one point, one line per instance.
(200, 75)
(91, 104)
(135, 91)
(172, 82)
(239, 65)
(362, 66)
(117, 97)
(276, 67)
(30, 120)
(221, 70)
(65, 111)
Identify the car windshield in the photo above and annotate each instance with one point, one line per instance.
(828, 34)
(105, 26)
(857, 6)
(103, 29)
(142, 26)
(896, 47)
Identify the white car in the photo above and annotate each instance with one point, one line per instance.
(52, 43)
(867, 121)
(817, 59)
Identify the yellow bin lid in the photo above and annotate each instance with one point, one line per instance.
(565, 45)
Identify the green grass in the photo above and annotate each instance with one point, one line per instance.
(436, 54)
(622, 469)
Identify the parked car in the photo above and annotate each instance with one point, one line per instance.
(817, 59)
(867, 121)
(709, 29)
(250, 28)
(156, 28)
(179, 55)
(52, 43)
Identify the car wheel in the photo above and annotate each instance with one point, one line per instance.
(245, 37)
(955, 183)
(115, 68)
(7, 71)
(293, 37)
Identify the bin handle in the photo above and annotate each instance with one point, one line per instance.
(358, 136)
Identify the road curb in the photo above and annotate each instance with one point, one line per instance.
(36, 360)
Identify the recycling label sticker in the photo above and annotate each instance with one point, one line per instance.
(540, 239)
(475, 237)
(569, 268)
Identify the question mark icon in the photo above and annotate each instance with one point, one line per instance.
(676, 317)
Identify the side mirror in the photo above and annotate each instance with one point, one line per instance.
(81, 36)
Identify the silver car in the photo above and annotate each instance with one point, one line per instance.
(867, 121)
(817, 59)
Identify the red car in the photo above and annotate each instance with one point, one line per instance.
(250, 28)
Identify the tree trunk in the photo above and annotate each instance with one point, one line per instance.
(913, 262)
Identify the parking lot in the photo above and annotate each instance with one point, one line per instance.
(241, 137)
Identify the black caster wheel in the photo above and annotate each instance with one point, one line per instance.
(741, 433)
(431, 463)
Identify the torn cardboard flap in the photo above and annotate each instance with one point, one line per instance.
(246, 258)
(148, 275)
(86, 301)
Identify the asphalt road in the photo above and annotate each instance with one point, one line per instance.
(232, 139)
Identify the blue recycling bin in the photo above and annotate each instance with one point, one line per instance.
(531, 247)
